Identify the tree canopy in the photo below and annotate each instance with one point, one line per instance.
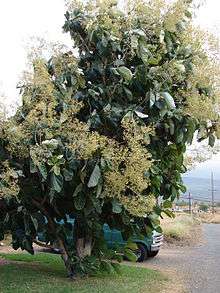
(100, 135)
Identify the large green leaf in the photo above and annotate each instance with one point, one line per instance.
(68, 174)
(141, 115)
(93, 93)
(56, 182)
(35, 222)
(169, 213)
(43, 170)
(169, 100)
(167, 204)
(56, 169)
(179, 136)
(95, 176)
(128, 93)
(125, 73)
(97, 204)
(80, 201)
(190, 130)
(99, 189)
(78, 189)
(171, 127)
(152, 99)
(116, 207)
(130, 255)
(144, 52)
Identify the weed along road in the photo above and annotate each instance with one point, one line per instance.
(198, 267)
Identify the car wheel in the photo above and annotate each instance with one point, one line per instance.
(141, 252)
(153, 253)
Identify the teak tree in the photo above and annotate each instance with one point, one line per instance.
(100, 137)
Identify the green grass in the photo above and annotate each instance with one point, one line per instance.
(45, 273)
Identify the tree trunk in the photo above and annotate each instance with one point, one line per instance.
(66, 259)
(84, 247)
(83, 240)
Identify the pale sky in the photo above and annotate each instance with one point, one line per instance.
(22, 19)
(203, 170)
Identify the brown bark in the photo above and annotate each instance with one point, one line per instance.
(84, 247)
(83, 241)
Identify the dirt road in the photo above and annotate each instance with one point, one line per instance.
(199, 266)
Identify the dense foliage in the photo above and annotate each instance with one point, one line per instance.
(101, 136)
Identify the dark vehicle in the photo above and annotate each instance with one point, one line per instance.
(146, 247)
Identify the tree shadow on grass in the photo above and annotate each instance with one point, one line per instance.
(43, 273)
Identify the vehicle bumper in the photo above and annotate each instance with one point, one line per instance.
(157, 242)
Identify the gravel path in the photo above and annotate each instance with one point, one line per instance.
(198, 266)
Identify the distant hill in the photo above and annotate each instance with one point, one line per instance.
(200, 188)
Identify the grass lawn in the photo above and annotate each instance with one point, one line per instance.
(45, 273)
